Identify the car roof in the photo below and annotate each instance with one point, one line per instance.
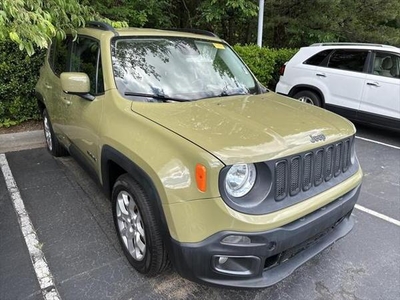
(131, 31)
(100, 29)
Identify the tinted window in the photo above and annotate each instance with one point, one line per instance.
(317, 59)
(386, 64)
(86, 59)
(58, 57)
(351, 60)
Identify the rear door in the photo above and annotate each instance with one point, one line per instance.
(344, 77)
(381, 96)
(58, 62)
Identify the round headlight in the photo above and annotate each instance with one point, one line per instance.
(240, 179)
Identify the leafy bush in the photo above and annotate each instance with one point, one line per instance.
(280, 57)
(260, 61)
(18, 76)
(265, 62)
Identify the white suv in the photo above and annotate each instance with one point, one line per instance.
(358, 81)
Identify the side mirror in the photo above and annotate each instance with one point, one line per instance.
(76, 83)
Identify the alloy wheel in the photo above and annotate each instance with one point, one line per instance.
(306, 99)
(130, 225)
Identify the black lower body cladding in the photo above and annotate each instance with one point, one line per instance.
(267, 257)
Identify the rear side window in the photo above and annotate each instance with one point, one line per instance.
(350, 60)
(386, 64)
(317, 59)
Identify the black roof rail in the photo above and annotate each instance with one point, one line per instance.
(101, 26)
(194, 30)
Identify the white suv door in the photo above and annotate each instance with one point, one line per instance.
(381, 95)
(344, 76)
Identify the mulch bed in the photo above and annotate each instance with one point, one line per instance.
(25, 126)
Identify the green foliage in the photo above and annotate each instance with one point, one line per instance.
(229, 19)
(265, 62)
(280, 57)
(295, 23)
(138, 13)
(18, 76)
(260, 61)
(32, 23)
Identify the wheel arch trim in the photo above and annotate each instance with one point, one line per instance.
(302, 87)
(108, 154)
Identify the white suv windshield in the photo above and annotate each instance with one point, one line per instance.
(180, 68)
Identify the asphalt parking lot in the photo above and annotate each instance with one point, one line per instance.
(74, 227)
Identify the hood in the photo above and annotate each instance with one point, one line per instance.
(249, 128)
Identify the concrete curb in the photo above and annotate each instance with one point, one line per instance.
(21, 140)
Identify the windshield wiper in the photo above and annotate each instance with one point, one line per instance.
(236, 92)
(155, 96)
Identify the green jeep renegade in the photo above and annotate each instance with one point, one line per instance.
(205, 168)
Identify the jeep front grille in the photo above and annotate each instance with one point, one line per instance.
(313, 168)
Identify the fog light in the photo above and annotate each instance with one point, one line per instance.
(222, 260)
(236, 239)
(236, 265)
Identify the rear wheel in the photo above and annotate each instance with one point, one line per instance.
(137, 227)
(53, 145)
(309, 97)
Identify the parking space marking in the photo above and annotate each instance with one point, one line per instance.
(377, 142)
(378, 215)
(38, 259)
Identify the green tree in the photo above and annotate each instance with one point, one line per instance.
(296, 23)
(232, 19)
(137, 13)
(32, 23)
(370, 21)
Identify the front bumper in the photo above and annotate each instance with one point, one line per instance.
(272, 255)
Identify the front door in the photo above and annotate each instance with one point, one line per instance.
(344, 77)
(83, 116)
(380, 103)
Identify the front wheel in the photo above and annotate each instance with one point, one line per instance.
(137, 227)
(309, 97)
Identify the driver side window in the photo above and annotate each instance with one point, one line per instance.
(86, 58)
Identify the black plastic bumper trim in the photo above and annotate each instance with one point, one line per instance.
(302, 239)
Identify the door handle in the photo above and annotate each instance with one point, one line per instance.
(66, 100)
(320, 75)
(374, 84)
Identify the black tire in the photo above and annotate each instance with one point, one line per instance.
(309, 97)
(139, 214)
(52, 143)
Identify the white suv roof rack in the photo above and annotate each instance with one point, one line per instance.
(353, 44)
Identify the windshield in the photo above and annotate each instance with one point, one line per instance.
(178, 68)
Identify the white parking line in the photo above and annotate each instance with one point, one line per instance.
(377, 142)
(378, 215)
(39, 262)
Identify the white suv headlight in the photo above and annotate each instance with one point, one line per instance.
(240, 179)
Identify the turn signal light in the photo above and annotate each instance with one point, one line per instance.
(201, 177)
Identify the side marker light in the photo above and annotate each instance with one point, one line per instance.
(201, 177)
